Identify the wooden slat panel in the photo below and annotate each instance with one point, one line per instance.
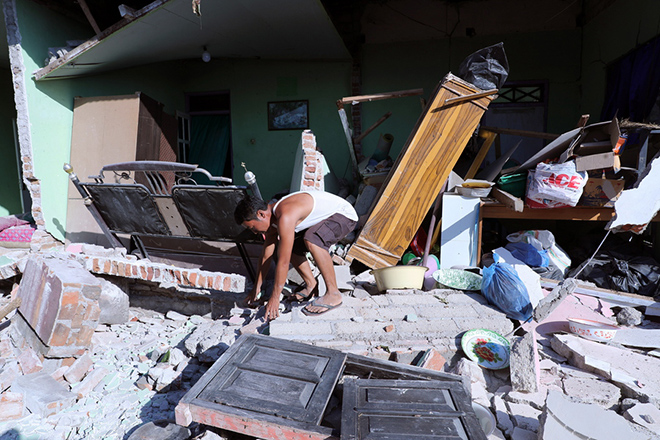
(407, 409)
(424, 164)
(266, 378)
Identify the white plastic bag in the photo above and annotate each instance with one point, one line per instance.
(555, 185)
(542, 239)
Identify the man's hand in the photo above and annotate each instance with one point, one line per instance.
(253, 297)
(272, 308)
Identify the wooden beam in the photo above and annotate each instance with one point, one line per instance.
(378, 96)
(469, 97)
(10, 306)
(489, 137)
(524, 133)
(349, 141)
(372, 128)
(90, 17)
(508, 200)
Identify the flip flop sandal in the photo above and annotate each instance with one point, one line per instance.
(298, 296)
(314, 304)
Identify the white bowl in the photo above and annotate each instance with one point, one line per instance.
(399, 277)
(592, 330)
(486, 418)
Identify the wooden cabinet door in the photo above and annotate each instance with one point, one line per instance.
(381, 409)
(263, 386)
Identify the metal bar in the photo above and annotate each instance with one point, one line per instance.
(379, 96)
(372, 128)
(89, 203)
(349, 141)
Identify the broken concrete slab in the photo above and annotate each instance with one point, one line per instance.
(634, 373)
(524, 364)
(113, 302)
(588, 390)
(646, 415)
(566, 420)
(43, 395)
(638, 337)
(553, 299)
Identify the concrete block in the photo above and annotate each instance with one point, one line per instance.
(12, 406)
(566, 420)
(523, 434)
(8, 373)
(587, 390)
(113, 303)
(43, 394)
(78, 369)
(504, 422)
(82, 389)
(524, 416)
(646, 415)
(524, 364)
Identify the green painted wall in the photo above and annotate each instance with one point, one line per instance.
(619, 29)
(49, 106)
(552, 56)
(10, 184)
(572, 61)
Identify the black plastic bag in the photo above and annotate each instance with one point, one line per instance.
(487, 68)
(625, 273)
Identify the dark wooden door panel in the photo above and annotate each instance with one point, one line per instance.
(381, 409)
(275, 377)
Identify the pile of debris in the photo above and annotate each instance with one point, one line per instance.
(138, 365)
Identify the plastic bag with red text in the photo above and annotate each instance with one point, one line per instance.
(555, 185)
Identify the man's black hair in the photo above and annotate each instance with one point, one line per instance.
(247, 208)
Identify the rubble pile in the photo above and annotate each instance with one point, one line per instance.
(136, 372)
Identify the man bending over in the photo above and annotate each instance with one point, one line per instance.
(301, 221)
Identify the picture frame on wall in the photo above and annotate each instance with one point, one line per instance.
(288, 115)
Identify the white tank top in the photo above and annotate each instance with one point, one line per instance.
(325, 205)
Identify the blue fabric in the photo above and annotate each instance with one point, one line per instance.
(633, 83)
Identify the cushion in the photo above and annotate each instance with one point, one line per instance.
(11, 220)
(21, 234)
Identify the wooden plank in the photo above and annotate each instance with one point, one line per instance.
(10, 306)
(523, 133)
(393, 409)
(379, 96)
(349, 141)
(489, 138)
(373, 127)
(510, 201)
(584, 213)
(459, 99)
(90, 17)
(423, 165)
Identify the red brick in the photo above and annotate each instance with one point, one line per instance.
(192, 278)
(434, 360)
(96, 265)
(67, 362)
(69, 298)
(107, 266)
(72, 285)
(77, 319)
(73, 337)
(150, 274)
(113, 268)
(226, 284)
(201, 282)
(156, 274)
(60, 335)
(85, 336)
(29, 361)
(121, 268)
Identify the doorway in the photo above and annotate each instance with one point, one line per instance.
(210, 144)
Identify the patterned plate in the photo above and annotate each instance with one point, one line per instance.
(487, 348)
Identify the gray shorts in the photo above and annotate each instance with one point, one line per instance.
(324, 234)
